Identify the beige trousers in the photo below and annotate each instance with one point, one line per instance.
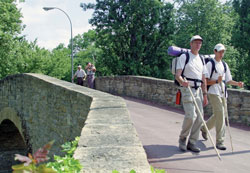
(217, 120)
(192, 121)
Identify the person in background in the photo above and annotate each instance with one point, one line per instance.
(90, 69)
(221, 73)
(195, 73)
(80, 74)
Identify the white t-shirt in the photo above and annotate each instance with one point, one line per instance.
(194, 69)
(216, 88)
(80, 73)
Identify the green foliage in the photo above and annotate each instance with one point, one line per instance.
(216, 23)
(66, 163)
(32, 162)
(61, 164)
(242, 27)
(32, 169)
(59, 64)
(70, 147)
(241, 39)
(85, 50)
(10, 27)
(133, 35)
(131, 38)
(207, 18)
(115, 171)
(153, 170)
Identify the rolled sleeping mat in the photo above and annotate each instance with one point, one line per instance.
(177, 51)
(209, 56)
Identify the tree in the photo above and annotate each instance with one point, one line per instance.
(85, 50)
(241, 39)
(59, 63)
(133, 35)
(208, 18)
(213, 21)
(9, 29)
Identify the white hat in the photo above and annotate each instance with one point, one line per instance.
(219, 47)
(79, 66)
(196, 37)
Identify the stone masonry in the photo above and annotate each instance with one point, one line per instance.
(164, 91)
(44, 109)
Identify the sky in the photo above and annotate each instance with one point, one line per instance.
(51, 28)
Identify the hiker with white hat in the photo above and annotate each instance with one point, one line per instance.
(80, 74)
(217, 77)
(192, 67)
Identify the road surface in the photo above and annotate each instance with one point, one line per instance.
(158, 128)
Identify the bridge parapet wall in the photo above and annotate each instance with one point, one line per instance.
(47, 109)
(163, 92)
(44, 109)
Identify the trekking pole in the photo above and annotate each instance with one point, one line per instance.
(226, 114)
(203, 121)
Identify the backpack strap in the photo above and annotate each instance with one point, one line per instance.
(214, 69)
(190, 79)
(202, 59)
(225, 66)
(187, 59)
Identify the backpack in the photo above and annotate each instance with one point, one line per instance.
(209, 59)
(182, 74)
(177, 52)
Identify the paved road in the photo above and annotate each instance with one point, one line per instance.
(158, 128)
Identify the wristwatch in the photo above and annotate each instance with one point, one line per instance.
(216, 81)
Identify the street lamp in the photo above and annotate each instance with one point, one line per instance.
(52, 8)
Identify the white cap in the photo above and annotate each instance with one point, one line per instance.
(219, 47)
(79, 66)
(196, 37)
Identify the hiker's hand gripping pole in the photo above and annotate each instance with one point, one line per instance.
(226, 113)
(203, 121)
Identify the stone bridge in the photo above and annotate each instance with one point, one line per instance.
(35, 109)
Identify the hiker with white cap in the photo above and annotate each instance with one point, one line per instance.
(80, 74)
(218, 75)
(192, 67)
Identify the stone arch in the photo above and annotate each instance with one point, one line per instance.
(10, 114)
(11, 139)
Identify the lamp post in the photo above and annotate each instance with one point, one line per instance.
(52, 8)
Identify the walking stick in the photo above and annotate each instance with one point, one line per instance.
(226, 114)
(203, 121)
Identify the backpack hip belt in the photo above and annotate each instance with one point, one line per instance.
(195, 82)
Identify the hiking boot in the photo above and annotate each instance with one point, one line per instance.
(182, 144)
(221, 146)
(204, 134)
(193, 148)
